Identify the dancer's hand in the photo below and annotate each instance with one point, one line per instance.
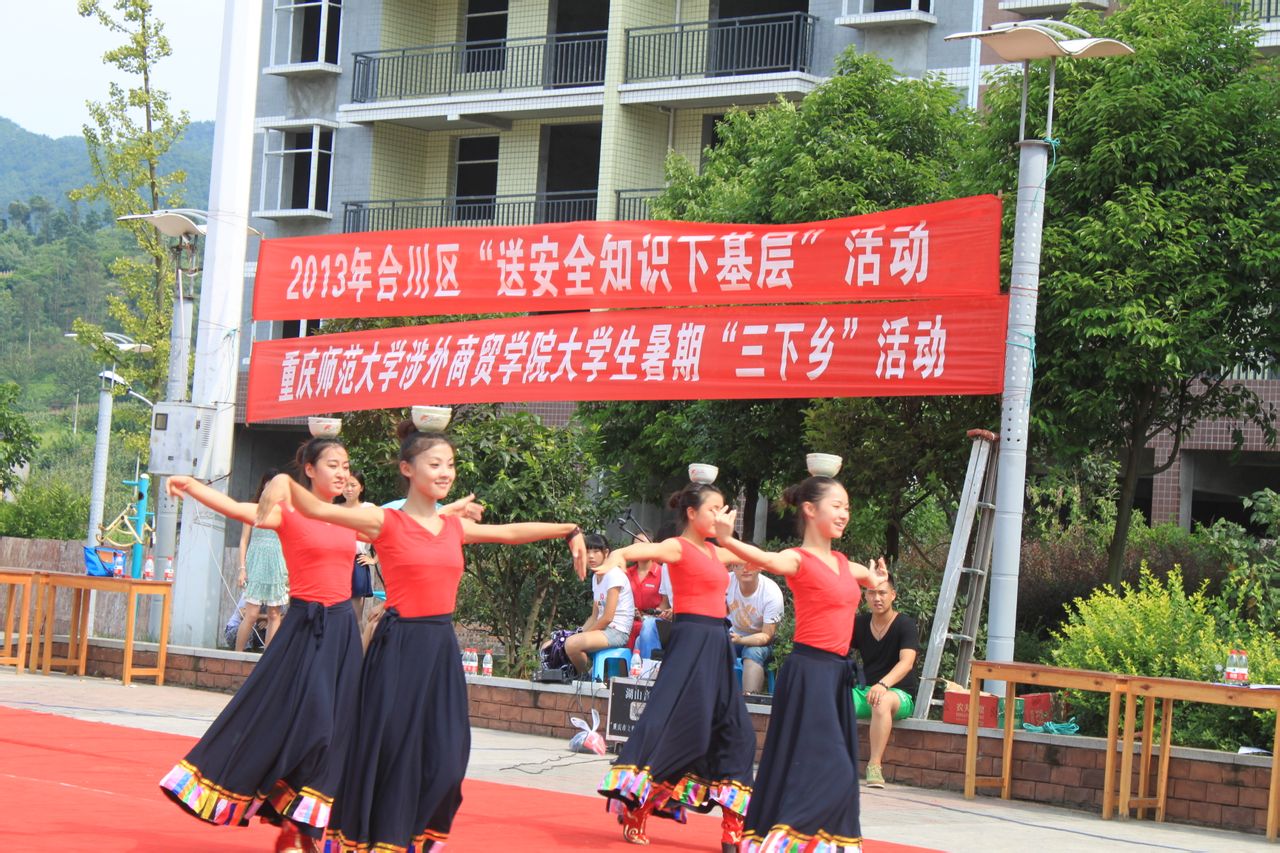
(725, 518)
(177, 485)
(465, 507)
(578, 548)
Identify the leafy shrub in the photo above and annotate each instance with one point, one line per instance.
(1159, 629)
(1066, 564)
(45, 509)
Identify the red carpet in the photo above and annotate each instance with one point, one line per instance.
(66, 784)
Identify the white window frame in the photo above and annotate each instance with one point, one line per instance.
(274, 194)
(286, 41)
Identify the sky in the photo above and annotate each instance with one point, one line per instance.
(51, 61)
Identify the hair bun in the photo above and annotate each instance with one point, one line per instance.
(404, 429)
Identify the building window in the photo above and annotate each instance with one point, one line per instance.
(475, 177)
(305, 31)
(296, 165)
(900, 6)
(486, 36)
(299, 328)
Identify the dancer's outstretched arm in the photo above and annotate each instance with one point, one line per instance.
(776, 562)
(666, 551)
(182, 486)
(284, 491)
(524, 532)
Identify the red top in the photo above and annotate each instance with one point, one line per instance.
(699, 581)
(645, 592)
(421, 569)
(825, 602)
(318, 556)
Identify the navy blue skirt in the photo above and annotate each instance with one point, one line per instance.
(695, 734)
(403, 780)
(807, 786)
(276, 750)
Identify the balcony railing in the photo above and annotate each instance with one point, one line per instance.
(634, 204)
(453, 211)
(545, 62)
(1266, 11)
(758, 44)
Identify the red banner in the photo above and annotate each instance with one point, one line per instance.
(951, 248)
(942, 346)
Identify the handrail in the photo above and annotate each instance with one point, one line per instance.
(753, 44)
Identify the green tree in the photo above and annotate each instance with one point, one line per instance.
(862, 142)
(1162, 234)
(131, 132)
(525, 471)
(17, 439)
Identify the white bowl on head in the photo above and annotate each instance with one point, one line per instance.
(324, 427)
(823, 464)
(431, 418)
(701, 472)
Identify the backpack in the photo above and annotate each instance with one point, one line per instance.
(553, 654)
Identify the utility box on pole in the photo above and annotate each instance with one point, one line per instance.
(180, 435)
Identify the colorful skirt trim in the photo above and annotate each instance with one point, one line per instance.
(632, 787)
(427, 841)
(784, 839)
(208, 801)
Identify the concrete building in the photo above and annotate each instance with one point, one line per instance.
(391, 114)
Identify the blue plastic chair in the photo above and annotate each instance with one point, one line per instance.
(601, 658)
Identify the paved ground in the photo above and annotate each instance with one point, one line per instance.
(937, 819)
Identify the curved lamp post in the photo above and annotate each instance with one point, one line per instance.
(1022, 42)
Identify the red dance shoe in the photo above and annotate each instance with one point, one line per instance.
(633, 822)
(730, 831)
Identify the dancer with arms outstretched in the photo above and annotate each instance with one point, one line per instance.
(276, 750)
(806, 794)
(693, 746)
(403, 782)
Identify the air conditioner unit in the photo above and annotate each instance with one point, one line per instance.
(180, 436)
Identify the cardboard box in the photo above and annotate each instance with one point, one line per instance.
(1037, 708)
(955, 709)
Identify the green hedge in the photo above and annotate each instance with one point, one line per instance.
(1159, 629)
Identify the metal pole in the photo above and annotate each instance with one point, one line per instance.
(1011, 475)
(176, 391)
(101, 450)
(198, 569)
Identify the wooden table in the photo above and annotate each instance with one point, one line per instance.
(27, 583)
(1014, 674)
(78, 639)
(1169, 690)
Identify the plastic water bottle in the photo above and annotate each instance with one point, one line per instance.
(168, 569)
(635, 664)
(117, 565)
(471, 661)
(1237, 671)
(488, 662)
(149, 570)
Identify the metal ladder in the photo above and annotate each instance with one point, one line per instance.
(976, 499)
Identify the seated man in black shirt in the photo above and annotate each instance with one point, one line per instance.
(888, 642)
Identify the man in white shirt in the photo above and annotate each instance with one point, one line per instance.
(755, 609)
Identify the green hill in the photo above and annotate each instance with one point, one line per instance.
(35, 165)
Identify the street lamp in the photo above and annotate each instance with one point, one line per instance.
(102, 444)
(1022, 42)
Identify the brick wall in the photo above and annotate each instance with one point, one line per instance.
(1206, 788)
